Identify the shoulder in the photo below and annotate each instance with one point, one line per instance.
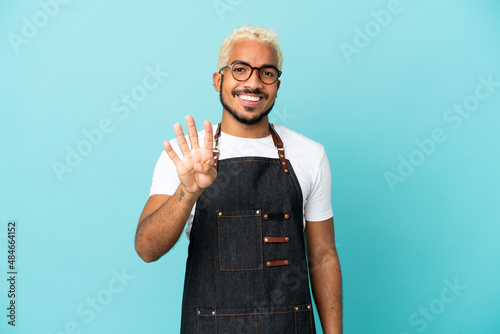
(310, 164)
(297, 143)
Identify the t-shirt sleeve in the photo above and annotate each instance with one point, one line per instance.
(318, 204)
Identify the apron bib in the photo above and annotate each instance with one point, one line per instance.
(246, 270)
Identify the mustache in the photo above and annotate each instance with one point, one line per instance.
(256, 91)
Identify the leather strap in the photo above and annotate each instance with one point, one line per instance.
(276, 216)
(215, 151)
(277, 263)
(276, 139)
(279, 146)
(276, 239)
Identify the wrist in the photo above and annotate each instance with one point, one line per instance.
(185, 194)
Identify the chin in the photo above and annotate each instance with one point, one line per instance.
(248, 119)
(240, 116)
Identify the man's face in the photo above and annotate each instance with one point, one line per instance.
(251, 100)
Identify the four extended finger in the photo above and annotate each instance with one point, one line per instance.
(193, 134)
(181, 139)
(171, 153)
(209, 136)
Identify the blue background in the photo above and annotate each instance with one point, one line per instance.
(400, 244)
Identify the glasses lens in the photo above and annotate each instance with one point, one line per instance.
(241, 72)
(268, 75)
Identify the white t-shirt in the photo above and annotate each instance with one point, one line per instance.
(307, 157)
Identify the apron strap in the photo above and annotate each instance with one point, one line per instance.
(279, 146)
(216, 147)
(276, 139)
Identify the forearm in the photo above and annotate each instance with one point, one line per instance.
(326, 282)
(159, 232)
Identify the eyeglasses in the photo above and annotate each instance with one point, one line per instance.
(242, 71)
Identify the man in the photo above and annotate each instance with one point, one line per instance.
(246, 194)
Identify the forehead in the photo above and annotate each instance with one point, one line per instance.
(253, 52)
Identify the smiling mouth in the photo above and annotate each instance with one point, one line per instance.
(252, 98)
(249, 99)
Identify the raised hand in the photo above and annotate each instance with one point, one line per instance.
(196, 169)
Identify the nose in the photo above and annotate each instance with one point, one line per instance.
(254, 80)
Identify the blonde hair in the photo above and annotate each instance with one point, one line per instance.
(259, 34)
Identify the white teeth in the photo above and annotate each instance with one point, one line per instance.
(250, 98)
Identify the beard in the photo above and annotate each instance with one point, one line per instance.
(240, 118)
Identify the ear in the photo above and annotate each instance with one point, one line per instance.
(279, 83)
(217, 80)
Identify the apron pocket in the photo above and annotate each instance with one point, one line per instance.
(240, 240)
(278, 320)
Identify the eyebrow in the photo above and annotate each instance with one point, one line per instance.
(264, 65)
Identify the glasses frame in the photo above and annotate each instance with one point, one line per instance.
(251, 72)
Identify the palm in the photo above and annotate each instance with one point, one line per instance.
(196, 168)
(188, 176)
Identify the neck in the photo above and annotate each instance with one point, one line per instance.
(232, 127)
